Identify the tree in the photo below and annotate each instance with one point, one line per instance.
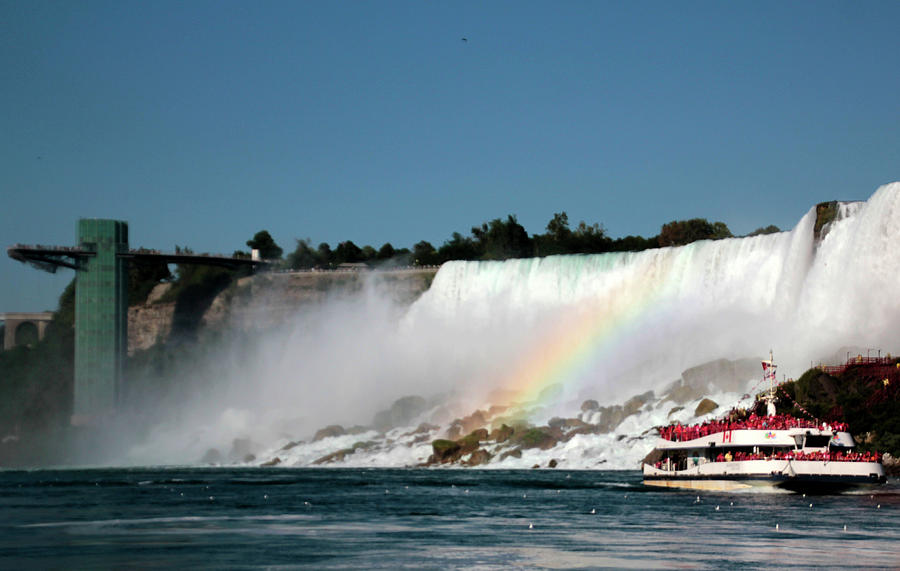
(770, 229)
(326, 256)
(501, 240)
(424, 254)
(347, 253)
(589, 239)
(386, 252)
(303, 257)
(458, 248)
(682, 232)
(268, 249)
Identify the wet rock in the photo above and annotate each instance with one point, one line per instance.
(478, 458)
(402, 412)
(514, 453)
(501, 434)
(334, 457)
(706, 406)
(444, 451)
(290, 445)
(273, 462)
(674, 410)
(590, 406)
(552, 463)
(425, 428)
(567, 424)
(636, 403)
(212, 456)
(540, 437)
(242, 448)
(329, 432)
(357, 429)
(723, 374)
(536, 466)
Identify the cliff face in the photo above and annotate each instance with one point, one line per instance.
(267, 300)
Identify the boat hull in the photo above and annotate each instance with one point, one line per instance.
(797, 476)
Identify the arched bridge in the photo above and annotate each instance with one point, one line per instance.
(24, 328)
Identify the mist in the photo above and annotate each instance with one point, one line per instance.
(603, 327)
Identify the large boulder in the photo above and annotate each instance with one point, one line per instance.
(478, 458)
(590, 405)
(329, 432)
(705, 407)
(636, 403)
(444, 451)
(402, 413)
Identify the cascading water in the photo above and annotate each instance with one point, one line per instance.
(545, 334)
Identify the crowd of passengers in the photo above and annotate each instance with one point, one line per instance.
(829, 456)
(738, 420)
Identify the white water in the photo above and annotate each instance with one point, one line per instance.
(667, 309)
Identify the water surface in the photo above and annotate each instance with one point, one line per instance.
(426, 519)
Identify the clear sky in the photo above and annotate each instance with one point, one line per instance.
(201, 123)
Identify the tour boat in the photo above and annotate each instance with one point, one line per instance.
(744, 450)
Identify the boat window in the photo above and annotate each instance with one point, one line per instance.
(817, 441)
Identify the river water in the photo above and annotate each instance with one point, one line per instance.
(426, 519)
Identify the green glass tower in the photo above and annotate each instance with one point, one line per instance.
(101, 319)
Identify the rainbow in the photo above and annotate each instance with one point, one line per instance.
(574, 345)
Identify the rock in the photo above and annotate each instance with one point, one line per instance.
(478, 457)
(543, 438)
(471, 441)
(329, 432)
(444, 451)
(536, 466)
(425, 428)
(636, 403)
(514, 453)
(212, 456)
(402, 412)
(290, 445)
(567, 424)
(552, 463)
(334, 456)
(273, 462)
(706, 406)
(241, 448)
(731, 376)
(590, 406)
(674, 410)
(357, 429)
(501, 434)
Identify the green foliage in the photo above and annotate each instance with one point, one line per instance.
(347, 253)
(268, 249)
(858, 397)
(683, 232)
(424, 254)
(458, 247)
(770, 229)
(501, 240)
(143, 276)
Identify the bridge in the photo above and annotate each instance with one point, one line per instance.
(101, 261)
(24, 329)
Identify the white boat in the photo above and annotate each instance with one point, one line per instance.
(744, 450)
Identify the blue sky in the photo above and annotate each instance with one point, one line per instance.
(202, 122)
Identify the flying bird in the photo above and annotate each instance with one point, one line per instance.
(465, 40)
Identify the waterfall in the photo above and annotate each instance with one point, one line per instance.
(651, 314)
